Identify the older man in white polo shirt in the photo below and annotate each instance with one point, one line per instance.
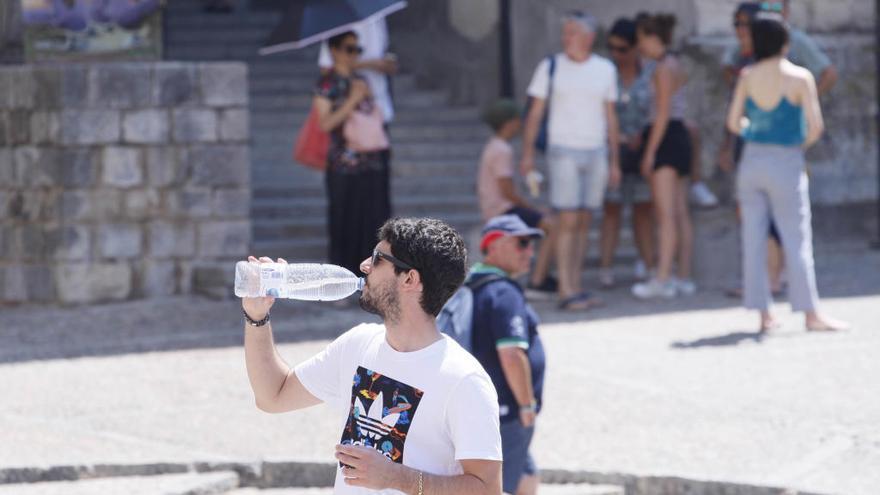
(580, 89)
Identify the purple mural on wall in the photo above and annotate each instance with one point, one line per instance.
(77, 29)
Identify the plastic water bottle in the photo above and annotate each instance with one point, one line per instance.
(534, 180)
(303, 281)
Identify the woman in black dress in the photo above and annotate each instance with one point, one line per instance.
(357, 181)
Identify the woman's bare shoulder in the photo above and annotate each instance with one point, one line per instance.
(793, 71)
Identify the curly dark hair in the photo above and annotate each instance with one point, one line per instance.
(435, 250)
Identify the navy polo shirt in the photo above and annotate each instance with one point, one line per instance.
(502, 318)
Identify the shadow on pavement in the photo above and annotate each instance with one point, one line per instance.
(730, 339)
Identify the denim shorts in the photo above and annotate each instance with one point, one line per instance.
(518, 462)
(577, 177)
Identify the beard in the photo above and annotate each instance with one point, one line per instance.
(381, 300)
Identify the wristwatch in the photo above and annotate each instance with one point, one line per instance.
(531, 407)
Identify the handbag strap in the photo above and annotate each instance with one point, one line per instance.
(551, 59)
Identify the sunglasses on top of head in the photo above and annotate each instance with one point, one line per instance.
(377, 255)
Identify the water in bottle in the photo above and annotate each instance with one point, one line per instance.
(303, 281)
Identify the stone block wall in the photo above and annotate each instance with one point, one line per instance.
(121, 180)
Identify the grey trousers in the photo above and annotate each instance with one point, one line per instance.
(772, 182)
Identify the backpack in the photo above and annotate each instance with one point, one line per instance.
(541, 138)
(456, 319)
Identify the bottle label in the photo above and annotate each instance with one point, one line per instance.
(271, 281)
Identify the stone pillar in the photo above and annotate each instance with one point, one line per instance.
(120, 180)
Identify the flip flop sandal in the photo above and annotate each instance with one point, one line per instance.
(579, 302)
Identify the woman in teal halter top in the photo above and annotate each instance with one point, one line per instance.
(775, 109)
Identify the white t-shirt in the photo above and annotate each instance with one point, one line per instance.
(577, 105)
(373, 38)
(438, 405)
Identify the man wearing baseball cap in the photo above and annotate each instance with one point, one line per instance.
(506, 343)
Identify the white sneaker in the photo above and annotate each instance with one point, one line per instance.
(606, 278)
(702, 196)
(654, 288)
(640, 271)
(685, 286)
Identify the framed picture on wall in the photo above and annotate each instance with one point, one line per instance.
(77, 30)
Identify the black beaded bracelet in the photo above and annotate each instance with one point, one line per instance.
(254, 323)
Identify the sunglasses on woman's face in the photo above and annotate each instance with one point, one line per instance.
(353, 49)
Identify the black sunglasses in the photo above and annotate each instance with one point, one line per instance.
(523, 243)
(394, 261)
(353, 49)
(737, 24)
(618, 48)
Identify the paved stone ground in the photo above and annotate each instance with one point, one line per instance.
(682, 388)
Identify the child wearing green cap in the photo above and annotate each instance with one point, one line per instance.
(498, 194)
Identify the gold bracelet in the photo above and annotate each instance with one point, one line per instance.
(421, 485)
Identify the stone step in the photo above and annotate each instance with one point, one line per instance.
(286, 218)
(311, 248)
(425, 133)
(280, 168)
(410, 205)
(300, 249)
(399, 186)
(282, 66)
(404, 138)
(213, 52)
(288, 118)
(166, 484)
(302, 99)
(296, 84)
(283, 228)
(402, 152)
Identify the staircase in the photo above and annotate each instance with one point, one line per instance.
(435, 146)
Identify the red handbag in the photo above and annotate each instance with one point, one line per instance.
(312, 144)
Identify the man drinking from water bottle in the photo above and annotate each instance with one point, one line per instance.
(418, 414)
